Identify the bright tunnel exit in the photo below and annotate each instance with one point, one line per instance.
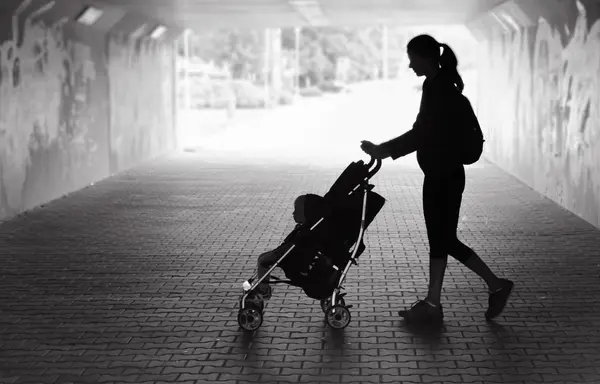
(304, 96)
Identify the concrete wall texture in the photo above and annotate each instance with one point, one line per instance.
(75, 106)
(539, 105)
(141, 79)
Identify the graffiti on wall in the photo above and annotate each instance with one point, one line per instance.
(141, 94)
(543, 121)
(43, 82)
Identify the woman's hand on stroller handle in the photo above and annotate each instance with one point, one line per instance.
(376, 154)
(373, 150)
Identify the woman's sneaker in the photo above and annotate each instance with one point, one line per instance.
(423, 311)
(497, 300)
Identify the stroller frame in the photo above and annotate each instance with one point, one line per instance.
(337, 314)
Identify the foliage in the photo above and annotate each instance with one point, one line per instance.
(322, 54)
(241, 50)
(320, 48)
(226, 94)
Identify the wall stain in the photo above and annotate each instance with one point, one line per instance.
(543, 113)
(141, 95)
(43, 77)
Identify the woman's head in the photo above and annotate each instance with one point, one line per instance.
(426, 59)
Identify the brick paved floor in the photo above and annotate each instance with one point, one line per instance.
(136, 280)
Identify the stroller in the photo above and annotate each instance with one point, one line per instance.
(323, 251)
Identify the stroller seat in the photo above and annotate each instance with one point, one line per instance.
(323, 250)
(326, 250)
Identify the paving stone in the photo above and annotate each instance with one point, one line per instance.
(137, 279)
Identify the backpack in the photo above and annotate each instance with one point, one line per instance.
(471, 137)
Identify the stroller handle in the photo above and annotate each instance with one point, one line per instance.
(377, 163)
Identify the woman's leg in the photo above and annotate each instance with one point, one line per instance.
(500, 289)
(436, 215)
(471, 260)
(430, 309)
(456, 248)
(437, 270)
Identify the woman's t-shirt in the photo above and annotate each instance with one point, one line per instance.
(433, 135)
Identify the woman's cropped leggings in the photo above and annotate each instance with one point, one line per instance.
(442, 197)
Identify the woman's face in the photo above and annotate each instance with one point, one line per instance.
(419, 64)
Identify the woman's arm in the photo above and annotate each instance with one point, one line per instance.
(404, 144)
(395, 148)
(432, 113)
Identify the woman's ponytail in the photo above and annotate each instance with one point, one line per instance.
(449, 66)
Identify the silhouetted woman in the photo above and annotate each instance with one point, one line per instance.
(433, 136)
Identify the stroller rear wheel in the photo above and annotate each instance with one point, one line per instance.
(338, 316)
(250, 318)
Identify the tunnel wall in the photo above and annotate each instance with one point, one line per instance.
(539, 106)
(75, 107)
(141, 101)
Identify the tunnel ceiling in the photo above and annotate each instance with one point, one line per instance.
(210, 14)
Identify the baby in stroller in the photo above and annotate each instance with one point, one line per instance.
(307, 208)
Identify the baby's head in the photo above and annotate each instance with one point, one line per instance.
(307, 208)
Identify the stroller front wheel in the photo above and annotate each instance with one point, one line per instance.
(338, 316)
(250, 318)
